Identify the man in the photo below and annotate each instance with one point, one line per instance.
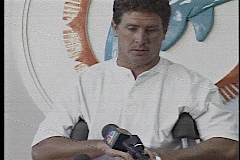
(141, 92)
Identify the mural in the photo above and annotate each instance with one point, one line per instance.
(199, 13)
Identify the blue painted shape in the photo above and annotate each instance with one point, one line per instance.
(203, 24)
(111, 47)
(109, 44)
(199, 12)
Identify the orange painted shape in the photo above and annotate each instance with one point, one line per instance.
(79, 25)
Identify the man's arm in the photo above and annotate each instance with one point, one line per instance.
(212, 149)
(61, 148)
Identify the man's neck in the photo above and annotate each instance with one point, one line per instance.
(137, 69)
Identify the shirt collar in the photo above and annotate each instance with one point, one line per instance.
(153, 70)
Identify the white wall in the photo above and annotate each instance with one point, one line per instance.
(26, 101)
(21, 115)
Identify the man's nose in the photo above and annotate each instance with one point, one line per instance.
(141, 37)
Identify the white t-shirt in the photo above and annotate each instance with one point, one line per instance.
(106, 93)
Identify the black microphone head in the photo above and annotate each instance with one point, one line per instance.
(106, 129)
(114, 136)
(81, 157)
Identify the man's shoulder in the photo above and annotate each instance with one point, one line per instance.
(180, 72)
(175, 68)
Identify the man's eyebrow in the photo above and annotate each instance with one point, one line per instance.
(132, 25)
(148, 26)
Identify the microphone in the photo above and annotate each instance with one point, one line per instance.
(121, 139)
(81, 157)
(136, 148)
(114, 136)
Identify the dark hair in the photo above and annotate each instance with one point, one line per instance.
(160, 7)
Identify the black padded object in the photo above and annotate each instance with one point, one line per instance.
(80, 131)
(185, 127)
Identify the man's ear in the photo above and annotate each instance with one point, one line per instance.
(164, 33)
(114, 26)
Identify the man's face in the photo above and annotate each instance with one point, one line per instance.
(140, 36)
